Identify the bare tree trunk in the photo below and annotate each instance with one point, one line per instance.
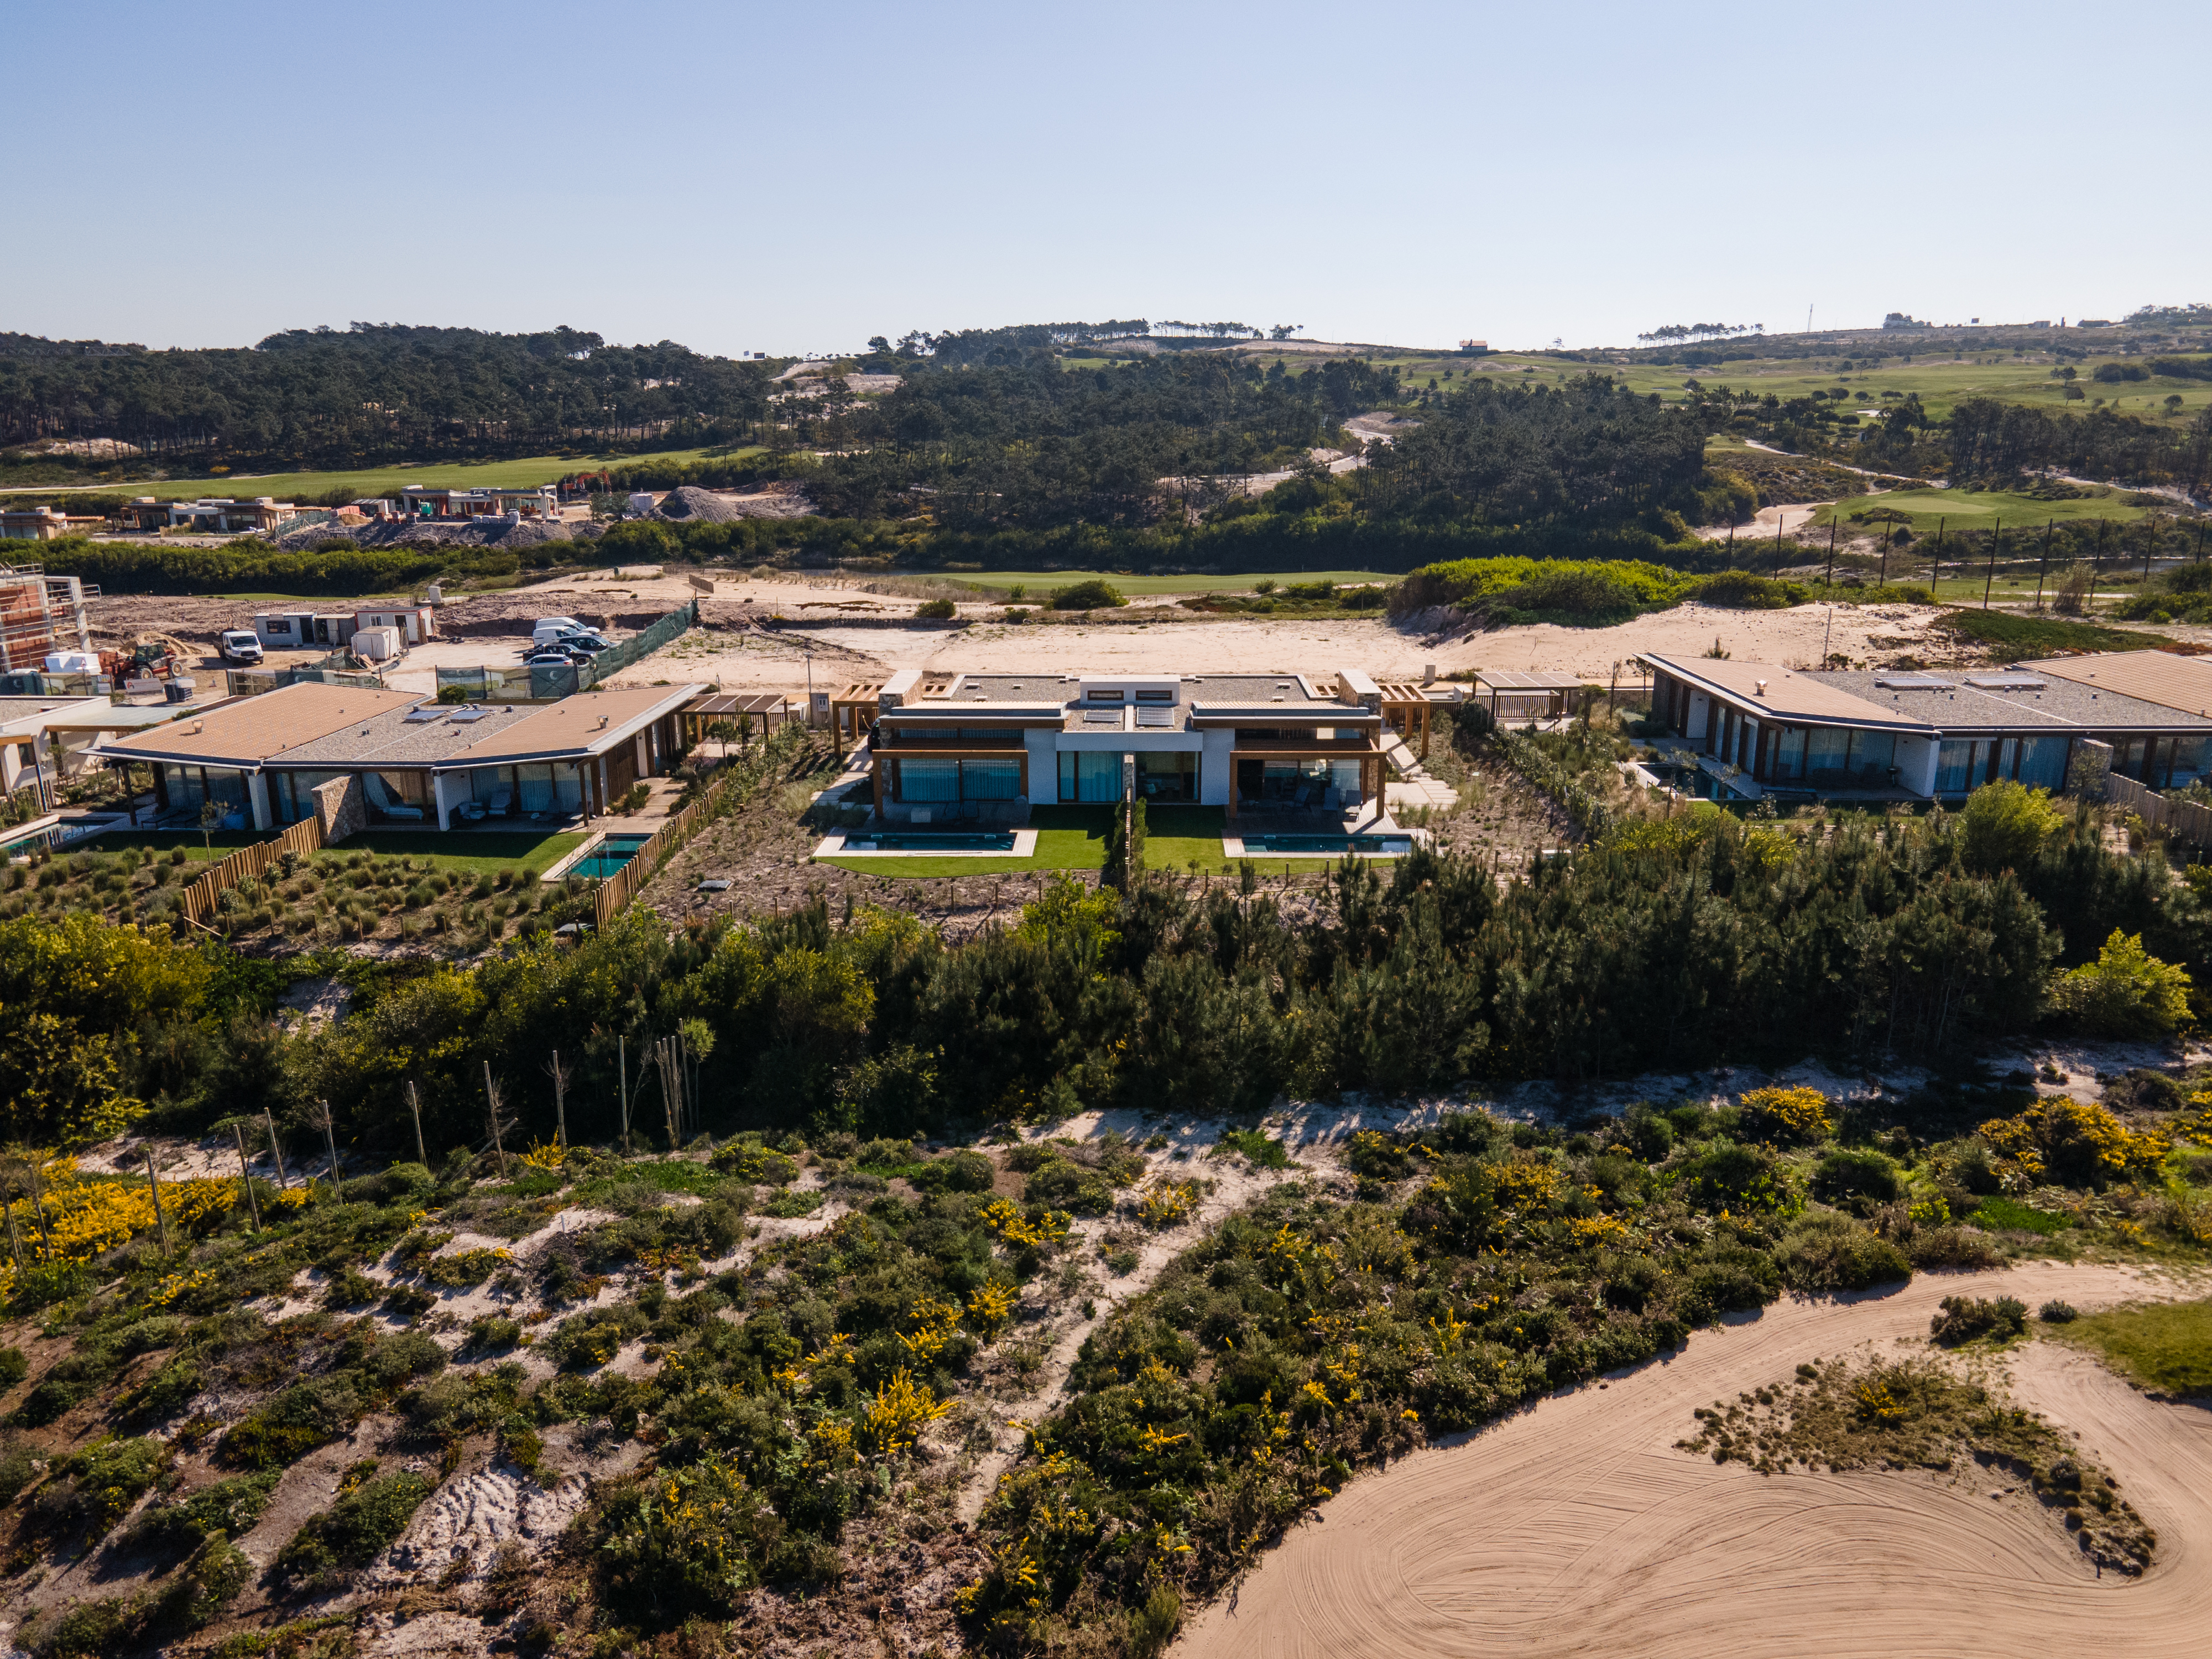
(160, 1216)
(491, 1104)
(414, 1106)
(246, 1175)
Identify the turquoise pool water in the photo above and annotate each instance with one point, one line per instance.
(916, 841)
(1328, 844)
(609, 855)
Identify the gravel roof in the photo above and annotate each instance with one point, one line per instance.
(396, 737)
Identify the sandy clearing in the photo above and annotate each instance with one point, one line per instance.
(1792, 638)
(1574, 1528)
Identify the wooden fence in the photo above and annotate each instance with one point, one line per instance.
(304, 838)
(2185, 818)
(617, 889)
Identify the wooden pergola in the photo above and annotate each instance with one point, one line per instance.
(1406, 709)
(762, 709)
(856, 706)
(1525, 684)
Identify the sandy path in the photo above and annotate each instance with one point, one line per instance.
(1575, 1527)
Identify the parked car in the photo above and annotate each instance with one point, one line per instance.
(240, 645)
(586, 640)
(547, 627)
(551, 658)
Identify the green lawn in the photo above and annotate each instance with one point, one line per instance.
(1040, 584)
(477, 852)
(390, 480)
(1074, 838)
(1985, 509)
(2166, 1344)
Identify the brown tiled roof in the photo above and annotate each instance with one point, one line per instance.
(1790, 694)
(247, 732)
(2160, 676)
(589, 723)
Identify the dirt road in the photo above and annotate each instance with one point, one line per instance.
(1576, 1528)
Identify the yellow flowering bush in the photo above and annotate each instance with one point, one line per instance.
(1003, 1218)
(1791, 1118)
(2076, 1142)
(1168, 1203)
(990, 1305)
(899, 1411)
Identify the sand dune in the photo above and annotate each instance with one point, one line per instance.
(1575, 1528)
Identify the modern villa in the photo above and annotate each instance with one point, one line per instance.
(950, 745)
(1757, 727)
(260, 758)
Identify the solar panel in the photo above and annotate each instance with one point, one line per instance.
(463, 716)
(1156, 720)
(417, 716)
(1102, 717)
(1914, 683)
(2004, 682)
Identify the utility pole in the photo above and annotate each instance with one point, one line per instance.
(1830, 579)
(2150, 542)
(1936, 583)
(1997, 536)
(414, 1106)
(2044, 566)
(246, 1174)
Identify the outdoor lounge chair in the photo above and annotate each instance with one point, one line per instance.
(502, 803)
(382, 804)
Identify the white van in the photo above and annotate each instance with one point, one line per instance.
(552, 627)
(240, 645)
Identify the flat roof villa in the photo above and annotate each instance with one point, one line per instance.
(261, 758)
(966, 745)
(1926, 736)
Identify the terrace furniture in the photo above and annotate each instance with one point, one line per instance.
(382, 804)
(502, 803)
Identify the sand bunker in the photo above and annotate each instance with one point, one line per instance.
(1576, 1528)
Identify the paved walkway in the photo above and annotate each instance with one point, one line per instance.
(1414, 787)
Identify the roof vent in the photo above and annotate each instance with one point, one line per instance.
(1762, 689)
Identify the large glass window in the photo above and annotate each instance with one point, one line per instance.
(1167, 775)
(2187, 762)
(990, 779)
(1087, 775)
(2042, 763)
(1955, 765)
(1827, 749)
(928, 780)
(1786, 759)
(292, 794)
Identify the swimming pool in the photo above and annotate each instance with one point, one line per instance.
(1397, 844)
(921, 842)
(609, 855)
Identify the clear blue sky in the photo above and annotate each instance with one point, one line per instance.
(782, 179)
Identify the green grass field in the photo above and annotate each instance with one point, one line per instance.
(2166, 1344)
(390, 480)
(1039, 585)
(1942, 378)
(1983, 509)
(477, 852)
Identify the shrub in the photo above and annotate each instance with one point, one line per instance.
(1832, 1253)
(1959, 1247)
(1093, 595)
(1964, 1318)
(14, 1368)
(935, 611)
(1789, 1117)
(762, 1165)
(2125, 992)
(1857, 1179)
(286, 1427)
(230, 1506)
(689, 1541)
(2074, 1141)
(2004, 825)
(964, 1171)
(94, 1490)
(353, 1529)
(2056, 1312)
(1728, 1175)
